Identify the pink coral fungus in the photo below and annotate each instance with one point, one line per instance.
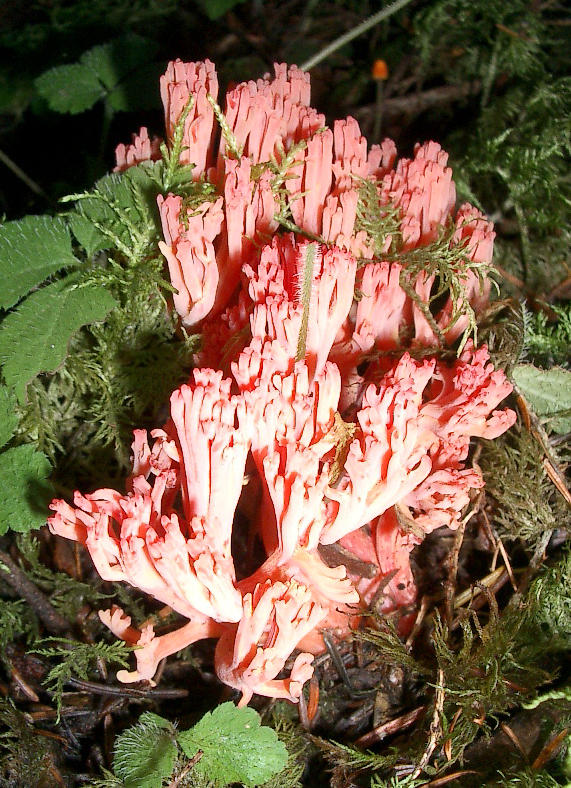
(329, 430)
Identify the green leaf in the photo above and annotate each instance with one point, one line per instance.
(548, 393)
(24, 489)
(71, 88)
(146, 752)
(214, 9)
(8, 416)
(34, 337)
(113, 61)
(31, 249)
(87, 234)
(124, 68)
(118, 72)
(133, 91)
(235, 748)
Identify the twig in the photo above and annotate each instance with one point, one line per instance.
(447, 779)
(555, 477)
(38, 601)
(514, 739)
(488, 581)
(559, 289)
(23, 685)
(536, 560)
(313, 701)
(450, 583)
(388, 728)
(507, 564)
(550, 461)
(371, 21)
(435, 725)
(133, 692)
(424, 602)
(176, 781)
(414, 103)
(302, 711)
(550, 750)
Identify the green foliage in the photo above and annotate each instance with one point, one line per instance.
(118, 72)
(72, 88)
(548, 392)
(24, 489)
(503, 328)
(485, 676)
(23, 752)
(119, 212)
(145, 753)
(297, 747)
(511, 155)
(548, 343)
(8, 416)
(16, 619)
(564, 693)
(523, 141)
(66, 594)
(173, 169)
(447, 262)
(118, 374)
(346, 759)
(228, 745)
(526, 778)
(498, 665)
(397, 782)
(34, 338)
(381, 223)
(450, 266)
(214, 9)
(31, 249)
(518, 159)
(528, 504)
(77, 660)
(235, 747)
(493, 38)
(550, 597)
(481, 672)
(389, 643)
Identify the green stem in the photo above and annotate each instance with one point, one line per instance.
(356, 31)
(19, 173)
(378, 112)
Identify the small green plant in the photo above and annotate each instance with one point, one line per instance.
(227, 746)
(76, 660)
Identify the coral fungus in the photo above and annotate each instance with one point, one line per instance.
(332, 428)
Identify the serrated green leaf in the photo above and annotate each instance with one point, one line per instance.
(117, 72)
(8, 416)
(34, 337)
(24, 489)
(31, 249)
(87, 234)
(145, 753)
(124, 69)
(114, 60)
(547, 391)
(72, 88)
(235, 747)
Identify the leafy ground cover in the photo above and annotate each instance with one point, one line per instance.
(477, 693)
